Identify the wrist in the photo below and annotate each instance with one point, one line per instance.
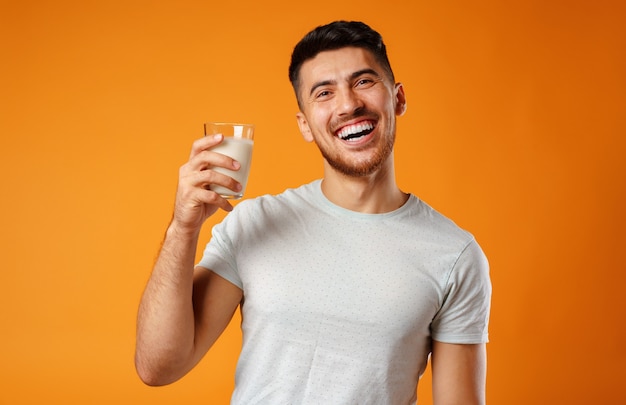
(179, 230)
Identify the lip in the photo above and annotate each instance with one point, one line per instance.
(361, 121)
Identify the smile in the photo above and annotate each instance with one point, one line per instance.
(355, 131)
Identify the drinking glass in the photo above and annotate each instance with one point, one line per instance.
(238, 142)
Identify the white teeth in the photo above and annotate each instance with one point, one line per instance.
(354, 129)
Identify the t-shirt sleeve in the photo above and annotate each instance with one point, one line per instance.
(464, 315)
(219, 255)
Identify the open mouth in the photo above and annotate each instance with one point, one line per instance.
(356, 131)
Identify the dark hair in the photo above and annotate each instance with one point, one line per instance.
(336, 35)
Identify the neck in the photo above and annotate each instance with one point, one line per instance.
(375, 193)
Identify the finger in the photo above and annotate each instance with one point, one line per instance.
(205, 143)
(210, 198)
(206, 178)
(190, 199)
(207, 159)
(213, 198)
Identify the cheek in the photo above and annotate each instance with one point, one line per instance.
(319, 119)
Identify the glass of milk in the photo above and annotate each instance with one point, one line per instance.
(237, 143)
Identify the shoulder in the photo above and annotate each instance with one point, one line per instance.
(437, 227)
(288, 199)
(272, 210)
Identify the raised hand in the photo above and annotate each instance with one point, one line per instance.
(194, 201)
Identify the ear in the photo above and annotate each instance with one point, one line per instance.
(304, 127)
(400, 100)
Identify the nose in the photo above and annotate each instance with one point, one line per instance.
(348, 102)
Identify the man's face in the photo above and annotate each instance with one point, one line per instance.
(349, 108)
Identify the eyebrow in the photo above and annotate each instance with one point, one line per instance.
(352, 77)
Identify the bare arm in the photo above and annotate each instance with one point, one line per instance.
(459, 373)
(182, 310)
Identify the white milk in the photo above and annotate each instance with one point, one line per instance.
(241, 150)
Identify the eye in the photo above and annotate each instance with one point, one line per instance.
(364, 82)
(322, 94)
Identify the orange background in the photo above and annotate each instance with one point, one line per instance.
(515, 128)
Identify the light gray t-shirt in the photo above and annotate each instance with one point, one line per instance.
(340, 307)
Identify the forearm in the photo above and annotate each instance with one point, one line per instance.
(170, 336)
(165, 324)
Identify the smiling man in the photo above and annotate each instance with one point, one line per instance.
(348, 104)
(346, 285)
